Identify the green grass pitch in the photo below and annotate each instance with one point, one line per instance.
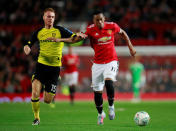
(82, 116)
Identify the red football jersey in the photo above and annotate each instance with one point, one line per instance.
(102, 41)
(70, 63)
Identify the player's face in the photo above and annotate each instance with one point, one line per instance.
(49, 18)
(99, 20)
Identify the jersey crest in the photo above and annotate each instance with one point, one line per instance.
(109, 32)
(53, 34)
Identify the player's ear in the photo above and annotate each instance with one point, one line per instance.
(104, 18)
(44, 16)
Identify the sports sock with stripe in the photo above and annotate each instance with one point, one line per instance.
(36, 107)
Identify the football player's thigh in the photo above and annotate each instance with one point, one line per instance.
(97, 75)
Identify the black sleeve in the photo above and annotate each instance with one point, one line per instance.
(33, 38)
(65, 33)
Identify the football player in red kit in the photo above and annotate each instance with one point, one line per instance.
(71, 62)
(106, 65)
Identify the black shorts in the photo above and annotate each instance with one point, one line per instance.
(48, 76)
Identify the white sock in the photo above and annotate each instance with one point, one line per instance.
(111, 106)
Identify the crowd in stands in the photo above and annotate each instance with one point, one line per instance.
(132, 15)
(30, 11)
(141, 19)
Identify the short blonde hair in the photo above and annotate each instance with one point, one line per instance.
(49, 9)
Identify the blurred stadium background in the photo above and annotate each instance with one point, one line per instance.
(151, 25)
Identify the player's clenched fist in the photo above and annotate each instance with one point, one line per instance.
(27, 49)
(81, 35)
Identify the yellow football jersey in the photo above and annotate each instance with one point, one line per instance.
(50, 53)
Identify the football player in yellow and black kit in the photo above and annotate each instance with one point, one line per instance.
(49, 59)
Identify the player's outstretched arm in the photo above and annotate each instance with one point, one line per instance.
(60, 39)
(27, 49)
(75, 38)
(130, 46)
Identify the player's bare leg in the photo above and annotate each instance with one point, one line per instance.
(52, 104)
(48, 97)
(59, 87)
(36, 88)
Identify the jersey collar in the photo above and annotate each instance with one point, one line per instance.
(105, 25)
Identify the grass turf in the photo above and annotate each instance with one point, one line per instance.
(82, 116)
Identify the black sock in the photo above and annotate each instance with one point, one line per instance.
(98, 101)
(72, 93)
(110, 91)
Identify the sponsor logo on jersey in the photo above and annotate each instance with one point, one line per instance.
(45, 41)
(71, 61)
(104, 39)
